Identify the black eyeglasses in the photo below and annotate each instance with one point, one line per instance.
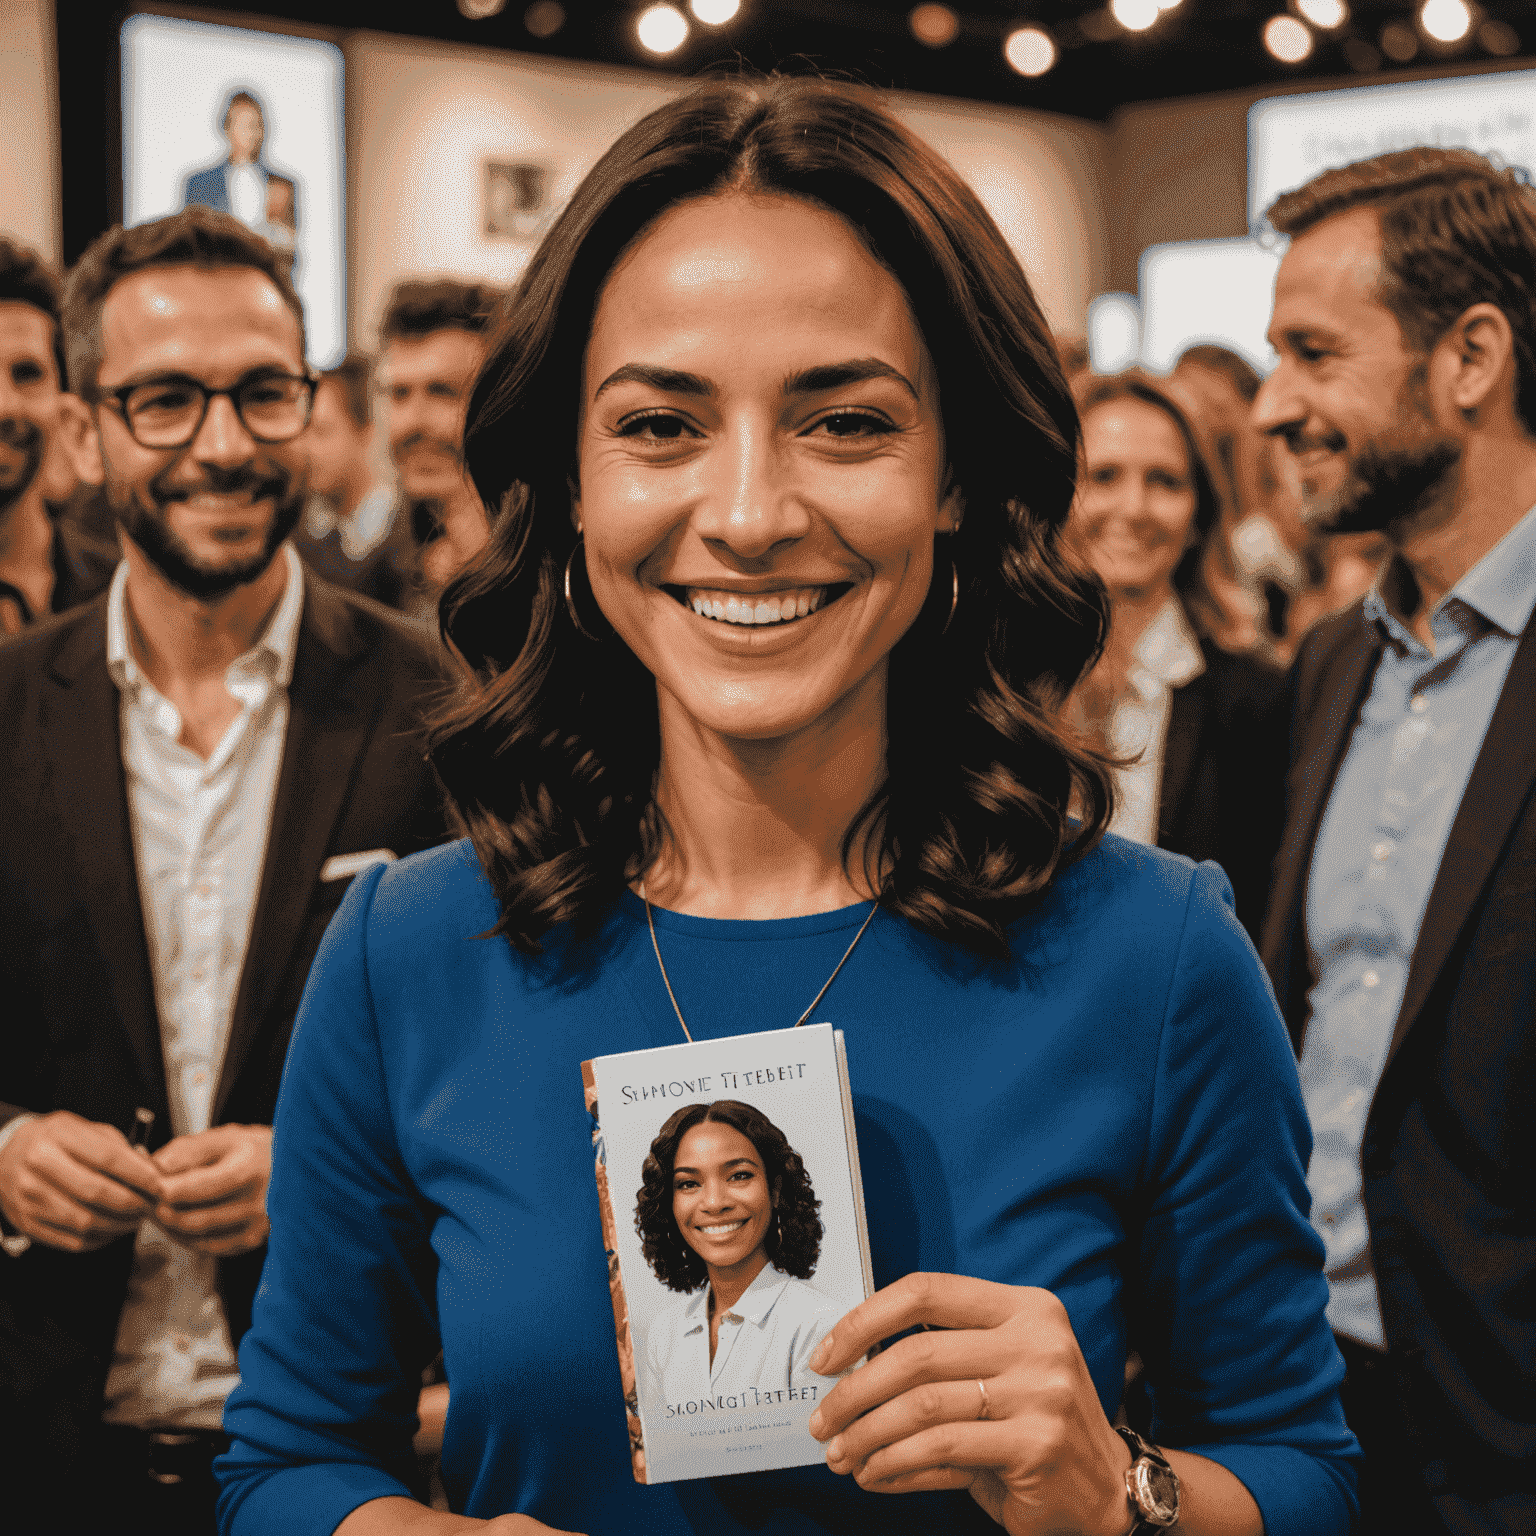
(168, 412)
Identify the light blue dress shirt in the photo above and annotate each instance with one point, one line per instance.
(1377, 853)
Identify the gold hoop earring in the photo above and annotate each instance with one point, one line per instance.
(570, 601)
(954, 600)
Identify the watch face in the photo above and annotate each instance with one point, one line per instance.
(1157, 1490)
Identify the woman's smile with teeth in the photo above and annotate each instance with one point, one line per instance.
(756, 607)
(724, 1229)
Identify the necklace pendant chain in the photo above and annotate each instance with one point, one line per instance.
(666, 980)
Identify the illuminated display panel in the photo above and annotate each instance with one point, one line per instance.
(1218, 291)
(1292, 138)
(178, 77)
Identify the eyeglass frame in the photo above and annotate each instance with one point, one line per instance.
(117, 398)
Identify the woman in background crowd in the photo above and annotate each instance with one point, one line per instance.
(1204, 731)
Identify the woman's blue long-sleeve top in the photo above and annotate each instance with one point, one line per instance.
(1114, 1116)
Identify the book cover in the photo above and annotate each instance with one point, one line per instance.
(733, 1222)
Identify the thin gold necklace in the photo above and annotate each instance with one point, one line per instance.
(666, 980)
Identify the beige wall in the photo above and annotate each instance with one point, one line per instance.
(422, 118)
(29, 126)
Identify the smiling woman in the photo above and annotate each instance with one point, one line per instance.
(765, 661)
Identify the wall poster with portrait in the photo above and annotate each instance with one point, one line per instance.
(248, 122)
(733, 1220)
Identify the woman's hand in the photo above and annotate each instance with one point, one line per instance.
(1044, 1459)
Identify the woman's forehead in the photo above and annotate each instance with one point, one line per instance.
(756, 279)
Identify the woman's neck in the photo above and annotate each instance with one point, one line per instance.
(755, 827)
(1132, 610)
(727, 1286)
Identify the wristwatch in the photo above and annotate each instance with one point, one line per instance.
(1151, 1485)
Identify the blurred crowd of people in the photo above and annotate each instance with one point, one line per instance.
(207, 728)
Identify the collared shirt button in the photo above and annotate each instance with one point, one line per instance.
(1418, 704)
(1370, 979)
(1329, 1219)
(1381, 850)
(199, 1078)
(181, 1342)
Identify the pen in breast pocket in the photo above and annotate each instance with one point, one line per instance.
(138, 1137)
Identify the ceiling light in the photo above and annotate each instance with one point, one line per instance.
(934, 26)
(662, 28)
(714, 13)
(1030, 51)
(1498, 37)
(1287, 39)
(480, 10)
(1447, 21)
(1135, 15)
(1326, 14)
(1399, 41)
(544, 18)
(1168, 5)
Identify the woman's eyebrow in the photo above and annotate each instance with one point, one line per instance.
(813, 381)
(673, 380)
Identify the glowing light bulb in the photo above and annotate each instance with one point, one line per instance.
(1030, 51)
(934, 26)
(1447, 21)
(1326, 14)
(1135, 15)
(1287, 39)
(662, 29)
(714, 13)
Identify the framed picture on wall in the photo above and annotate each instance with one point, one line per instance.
(514, 199)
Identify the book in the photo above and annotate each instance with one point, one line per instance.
(728, 1164)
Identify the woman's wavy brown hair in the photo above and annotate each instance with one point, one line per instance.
(550, 750)
(793, 1243)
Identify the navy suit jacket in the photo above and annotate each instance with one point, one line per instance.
(1450, 1141)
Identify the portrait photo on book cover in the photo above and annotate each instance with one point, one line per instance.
(738, 1228)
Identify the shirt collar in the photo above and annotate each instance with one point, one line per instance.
(1501, 587)
(275, 648)
(1167, 649)
(752, 1306)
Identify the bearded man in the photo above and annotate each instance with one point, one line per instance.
(193, 768)
(1401, 934)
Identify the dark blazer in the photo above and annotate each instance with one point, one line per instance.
(1223, 789)
(80, 1027)
(1450, 1142)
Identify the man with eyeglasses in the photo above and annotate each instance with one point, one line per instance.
(192, 767)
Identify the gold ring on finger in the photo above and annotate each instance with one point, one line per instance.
(984, 1404)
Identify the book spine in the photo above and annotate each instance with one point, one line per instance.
(851, 1139)
(616, 1283)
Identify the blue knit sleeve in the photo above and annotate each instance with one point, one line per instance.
(345, 1318)
(1229, 1320)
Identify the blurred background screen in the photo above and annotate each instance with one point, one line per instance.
(250, 122)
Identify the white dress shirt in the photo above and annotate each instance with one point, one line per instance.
(246, 186)
(199, 836)
(363, 531)
(1166, 657)
(765, 1344)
